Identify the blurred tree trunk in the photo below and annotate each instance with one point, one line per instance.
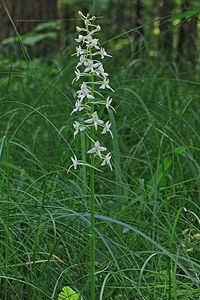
(166, 33)
(136, 22)
(120, 14)
(26, 14)
(187, 38)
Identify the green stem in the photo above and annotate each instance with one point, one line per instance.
(92, 212)
(93, 239)
(83, 150)
(92, 202)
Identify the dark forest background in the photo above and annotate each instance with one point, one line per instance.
(167, 29)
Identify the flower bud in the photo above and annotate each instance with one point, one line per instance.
(80, 14)
(98, 28)
(78, 29)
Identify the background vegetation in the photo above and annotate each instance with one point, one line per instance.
(147, 209)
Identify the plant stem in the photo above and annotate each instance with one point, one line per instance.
(92, 212)
(92, 220)
(83, 148)
(92, 204)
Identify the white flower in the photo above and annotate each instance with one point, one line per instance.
(95, 119)
(100, 71)
(106, 160)
(97, 149)
(98, 28)
(75, 162)
(81, 61)
(84, 92)
(78, 74)
(91, 65)
(78, 128)
(90, 42)
(80, 38)
(103, 53)
(107, 128)
(78, 107)
(108, 103)
(79, 51)
(105, 84)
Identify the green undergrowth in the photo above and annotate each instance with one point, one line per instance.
(147, 209)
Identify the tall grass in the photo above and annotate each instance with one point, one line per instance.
(147, 226)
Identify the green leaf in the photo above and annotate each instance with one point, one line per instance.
(31, 38)
(159, 175)
(180, 150)
(48, 25)
(35, 38)
(10, 40)
(68, 294)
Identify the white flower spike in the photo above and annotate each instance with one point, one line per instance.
(90, 92)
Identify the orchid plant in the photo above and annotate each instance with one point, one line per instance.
(88, 106)
(93, 80)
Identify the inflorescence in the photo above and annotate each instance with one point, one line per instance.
(94, 80)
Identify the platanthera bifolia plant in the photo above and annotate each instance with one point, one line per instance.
(91, 114)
